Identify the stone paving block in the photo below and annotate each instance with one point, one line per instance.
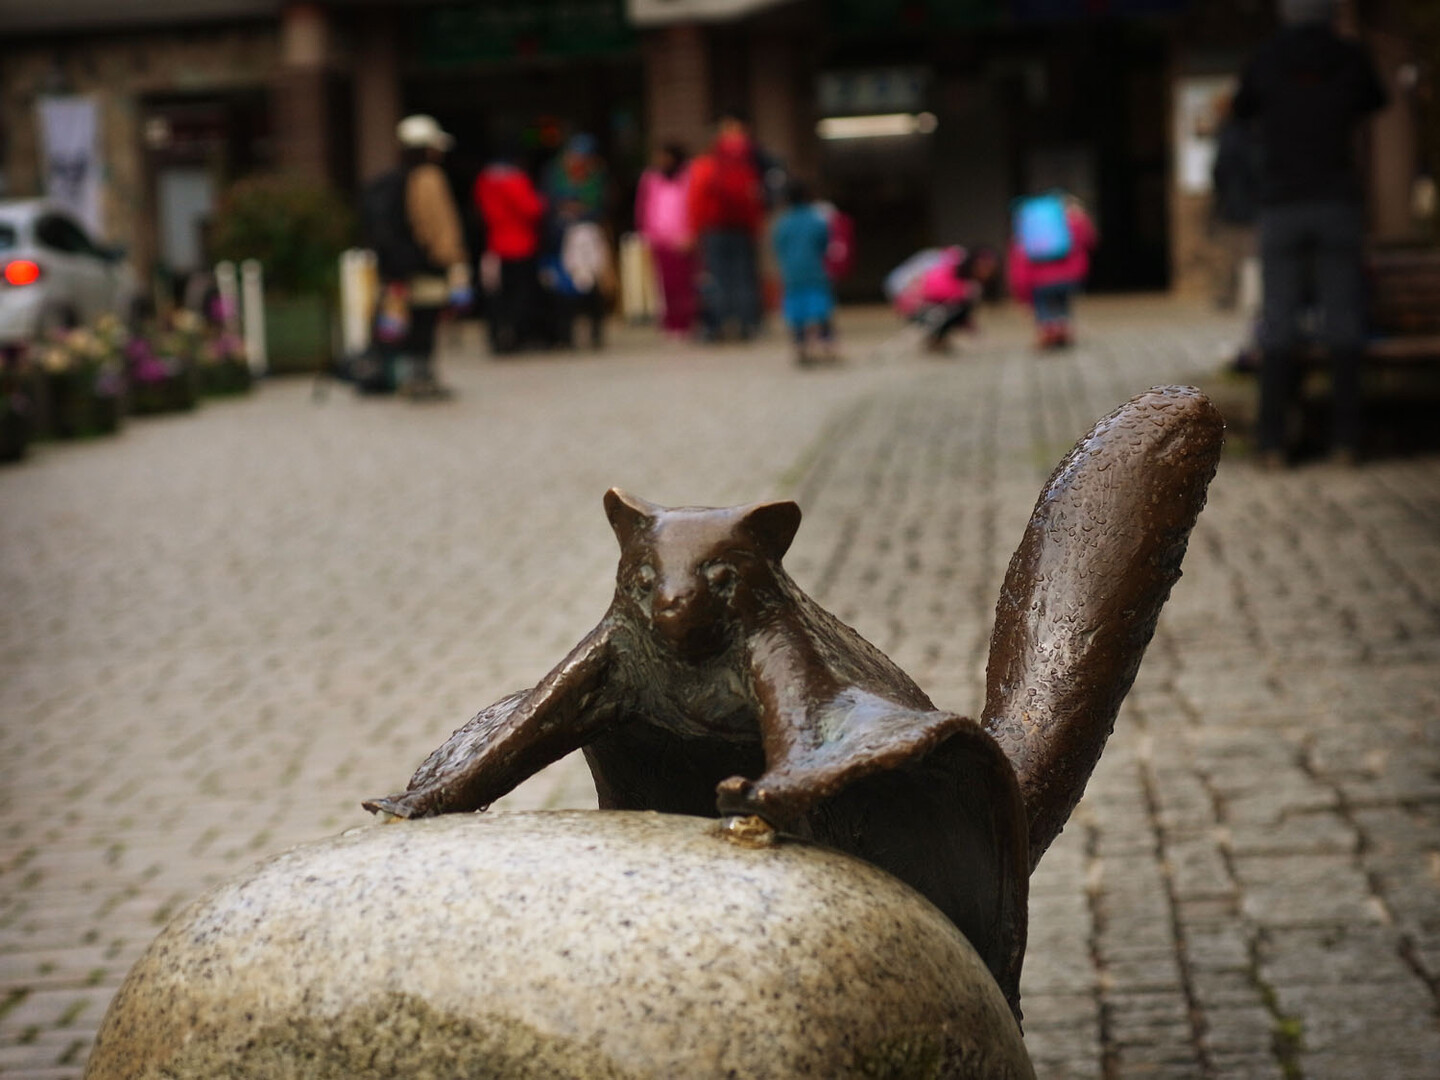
(1154, 973)
(1240, 1031)
(1247, 1067)
(1300, 890)
(1339, 956)
(1225, 989)
(1318, 833)
(41, 1010)
(1058, 1065)
(55, 968)
(1136, 937)
(1053, 971)
(1374, 1018)
(1217, 948)
(1198, 869)
(1288, 793)
(29, 1058)
(1134, 1062)
(1396, 1063)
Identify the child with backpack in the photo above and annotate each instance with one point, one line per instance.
(1050, 260)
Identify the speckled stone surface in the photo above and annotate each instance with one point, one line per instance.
(560, 944)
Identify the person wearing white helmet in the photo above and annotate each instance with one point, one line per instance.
(414, 226)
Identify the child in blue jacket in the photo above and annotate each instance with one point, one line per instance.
(800, 237)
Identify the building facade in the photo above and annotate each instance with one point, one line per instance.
(1115, 100)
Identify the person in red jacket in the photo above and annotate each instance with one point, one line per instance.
(727, 205)
(512, 211)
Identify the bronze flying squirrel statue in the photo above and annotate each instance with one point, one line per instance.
(714, 686)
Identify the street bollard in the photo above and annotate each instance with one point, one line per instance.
(252, 287)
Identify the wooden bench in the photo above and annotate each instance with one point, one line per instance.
(1401, 372)
(1404, 307)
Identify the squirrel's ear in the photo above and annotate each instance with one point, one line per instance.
(773, 526)
(628, 514)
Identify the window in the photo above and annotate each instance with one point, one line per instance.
(62, 234)
(7, 236)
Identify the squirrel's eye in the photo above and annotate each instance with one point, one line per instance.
(644, 578)
(719, 575)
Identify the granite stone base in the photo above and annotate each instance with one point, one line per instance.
(559, 944)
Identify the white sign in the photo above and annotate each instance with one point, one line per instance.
(70, 155)
(872, 90)
(1201, 105)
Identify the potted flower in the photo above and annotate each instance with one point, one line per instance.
(297, 230)
(82, 380)
(17, 407)
(221, 364)
(215, 356)
(161, 376)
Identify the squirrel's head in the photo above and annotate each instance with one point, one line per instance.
(698, 575)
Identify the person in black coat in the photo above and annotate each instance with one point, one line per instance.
(1307, 90)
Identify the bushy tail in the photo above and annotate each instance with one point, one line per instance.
(1085, 588)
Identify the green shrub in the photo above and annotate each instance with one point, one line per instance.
(297, 229)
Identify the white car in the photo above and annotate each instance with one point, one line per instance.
(53, 275)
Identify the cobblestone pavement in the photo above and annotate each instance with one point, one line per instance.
(220, 631)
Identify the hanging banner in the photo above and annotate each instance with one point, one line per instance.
(70, 155)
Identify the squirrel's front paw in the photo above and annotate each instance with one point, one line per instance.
(389, 808)
(739, 795)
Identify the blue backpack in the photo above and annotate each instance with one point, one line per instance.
(1042, 228)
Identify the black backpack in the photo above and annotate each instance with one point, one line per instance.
(386, 227)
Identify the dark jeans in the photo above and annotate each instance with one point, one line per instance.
(1052, 303)
(420, 345)
(940, 319)
(729, 282)
(1311, 259)
(590, 306)
(514, 309)
(409, 358)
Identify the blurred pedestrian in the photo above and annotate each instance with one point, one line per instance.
(576, 181)
(575, 184)
(941, 292)
(1049, 261)
(1234, 203)
(840, 253)
(800, 239)
(414, 227)
(589, 275)
(512, 211)
(662, 215)
(1309, 90)
(726, 207)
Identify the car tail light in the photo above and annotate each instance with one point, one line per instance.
(22, 272)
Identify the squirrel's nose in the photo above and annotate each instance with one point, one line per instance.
(669, 602)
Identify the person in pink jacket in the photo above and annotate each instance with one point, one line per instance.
(1048, 283)
(943, 296)
(662, 215)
